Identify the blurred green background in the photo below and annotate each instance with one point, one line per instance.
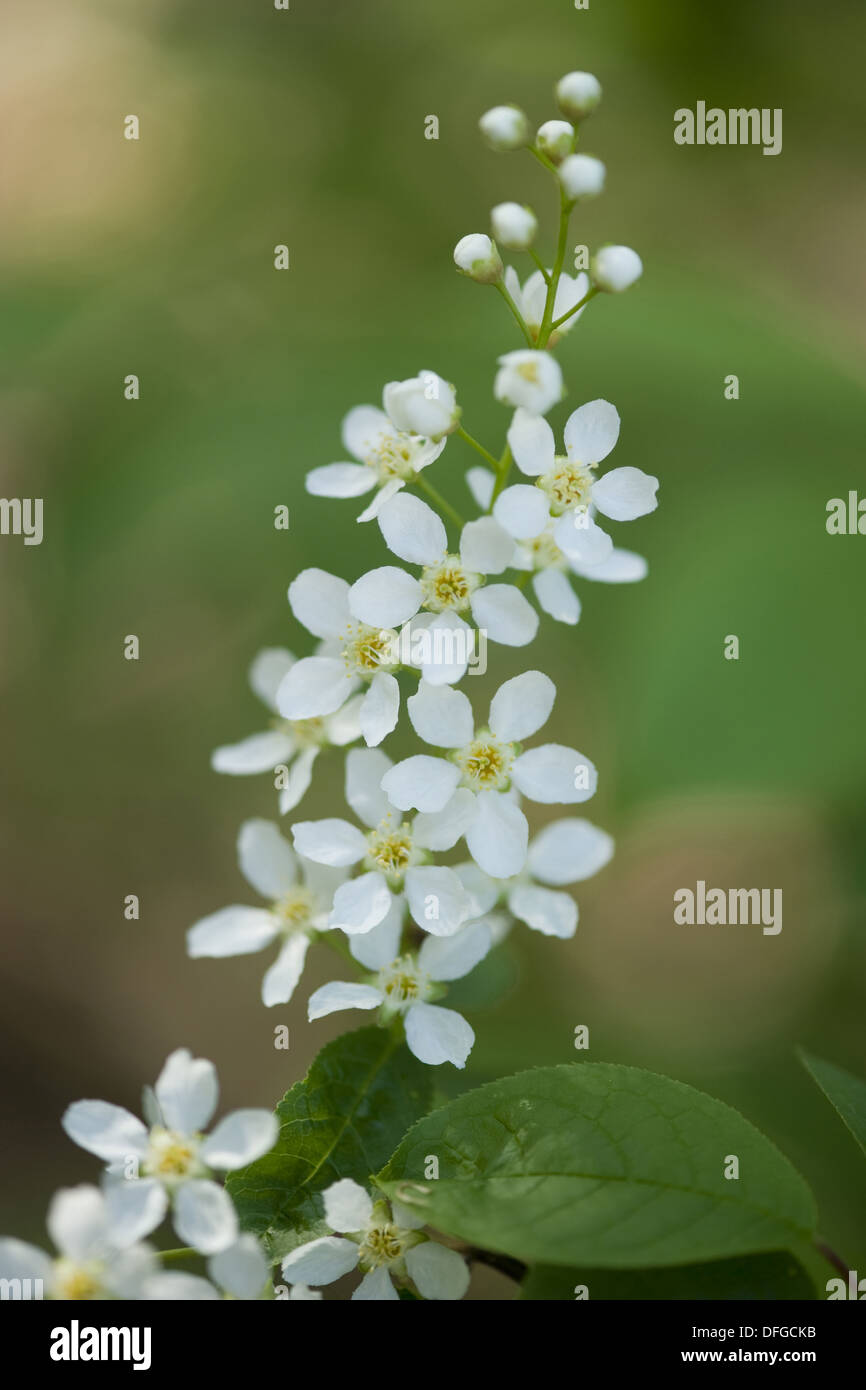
(156, 258)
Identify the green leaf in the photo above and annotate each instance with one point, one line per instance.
(845, 1092)
(361, 1093)
(749, 1277)
(595, 1164)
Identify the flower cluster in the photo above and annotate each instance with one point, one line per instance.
(437, 862)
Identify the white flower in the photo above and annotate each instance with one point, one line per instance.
(404, 986)
(569, 487)
(390, 457)
(555, 139)
(530, 379)
(484, 764)
(423, 404)
(513, 225)
(352, 654)
(531, 299)
(295, 744)
(172, 1155)
(581, 176)
(578, 94)
(506, 127)
(476, 255)
(615, 268)
(299, 908)
(241, 1271)
(392, 854)
(448, 585)
(93, 1262)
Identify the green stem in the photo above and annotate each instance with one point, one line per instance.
(435, 496)
(543, 159)
(546, 322)
(184, 1252)
(503, 468)
(540, 263)
(590, 294)
(479, 448)
(516, 312)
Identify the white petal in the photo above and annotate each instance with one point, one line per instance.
(281, 979)
(380, 708)
(372, 510)
(625, 493)
(521, 706)
(385, 597)
(258, 753)
(505, 614)
(581, 540)
(242, 1270)
(554, 914)
(556, 596)
(78, 1222)
(381, 944)
(18, 1260)
(481, 483)
(345, 726)
(347, 1206)
(363, 429)
(412, 530)
(451, 957)
(621, 567)
(187, 1091)
(452, 644)
(498, 837)
(342, 994)
(204, 1216)
(333, 841)
(376, 1287)
(569, 291)
(233, 931)
(340, 480)
(129, 1269)
(320, 1261)
(440, 830)
(441, 716)
(365, 768)
(532, 443)
(108, 1131)
(438, 902)
(320, 601)
(485, 546)
(569, 850)
(436, 1271)
(266, 859)
(360, 904)
(135, 1207)
(435, 1035)
(554, 774)
(174, 1286)
(522, 510)
(240, 1138)
(267, 670)
(421, 783)
(482, 889)
(298, 781)
(316, 685)
(591, 432)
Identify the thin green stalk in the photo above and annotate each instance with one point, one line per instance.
(540, 263)
(516, 312)
(503, 468)
(184, 1252)
(590, 294)
(440, 501)
(479, 448)
(546, 322)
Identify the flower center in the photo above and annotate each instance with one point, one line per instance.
(382, 1245)
(367, 649)
(485, 763)
(402, 983)
(568, 485)
(77, 1282)
(308, 732)
(529, 371)
(447, 585)
(391, 850)
(392, 456)
(170, 1155)
(545, 553)
(295, 909)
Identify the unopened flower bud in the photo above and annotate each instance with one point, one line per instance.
(476, 255)
(614, 268)
(578, 94)
(581, 176)
(424, 404)
(555, 139)
(506, 127)
(514, 226)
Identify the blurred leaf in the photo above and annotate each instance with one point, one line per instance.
(846, 1093)
(600, 1164)
(361, 1093)
(752, 1277)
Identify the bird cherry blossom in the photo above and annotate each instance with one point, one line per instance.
(530, 379)
(532, 296)
(241, 1271)
(382, 1240)
(389, 458)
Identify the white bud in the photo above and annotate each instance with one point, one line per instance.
(476, 255)
(578, 94)
(423, 404)
(528, 378)
(555, 139)
(514, 226)
(506, 127)
(581, 176)
(614, 268)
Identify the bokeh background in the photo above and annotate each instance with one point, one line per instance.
(307, 127)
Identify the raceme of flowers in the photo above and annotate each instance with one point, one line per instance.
(390, 648)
